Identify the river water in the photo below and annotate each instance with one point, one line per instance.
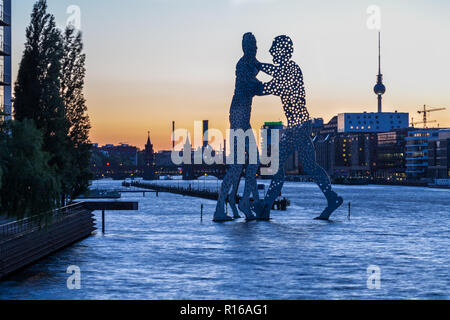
(164, 251)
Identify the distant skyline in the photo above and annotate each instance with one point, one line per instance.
(153, 61)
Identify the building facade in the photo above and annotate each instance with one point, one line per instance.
(372, 122)
(391, 156)
(354, 155)
(124, 152)
(439, 156)
(417, 157)
(266, 144)
(5, 60)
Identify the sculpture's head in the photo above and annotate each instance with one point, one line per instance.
(282, 49)
(249, 45)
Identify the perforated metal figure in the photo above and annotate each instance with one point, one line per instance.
(247, 87)
(288, 84)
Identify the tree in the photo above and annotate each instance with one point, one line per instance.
(72, 85)
(28, 84)
(37, 90)
(29, 184)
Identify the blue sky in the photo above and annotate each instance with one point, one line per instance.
(154, 61)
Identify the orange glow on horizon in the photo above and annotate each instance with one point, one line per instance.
(119, 124)
(125, 116)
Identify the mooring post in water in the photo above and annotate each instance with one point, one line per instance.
(201, 213)
(103, 221)
(349, 210)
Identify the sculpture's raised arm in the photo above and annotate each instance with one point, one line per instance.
(269, 88)
(267, 68)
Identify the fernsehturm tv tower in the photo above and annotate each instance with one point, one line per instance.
(379, 89)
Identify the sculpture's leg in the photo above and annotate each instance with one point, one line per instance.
(251, 187)
(307, 156)
(232, 198)
(233, 172)
(253, 183)
(272, 194)
(274, 191)
(244, 204)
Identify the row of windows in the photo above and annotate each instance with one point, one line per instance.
(370, 117)
(421, 135)
(370, 127)
(370, 122)
(362, 128)
(391, 155)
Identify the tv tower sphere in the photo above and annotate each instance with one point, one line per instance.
(379, 88)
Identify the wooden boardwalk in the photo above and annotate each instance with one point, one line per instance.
(28, 240)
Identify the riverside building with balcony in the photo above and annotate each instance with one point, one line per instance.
(417, 155)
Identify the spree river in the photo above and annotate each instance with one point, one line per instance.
(164, 251)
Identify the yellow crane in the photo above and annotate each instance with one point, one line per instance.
(425, 113)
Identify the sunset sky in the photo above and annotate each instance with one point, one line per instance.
(153, 61)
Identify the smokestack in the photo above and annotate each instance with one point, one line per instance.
(173, 135)
(205, 136)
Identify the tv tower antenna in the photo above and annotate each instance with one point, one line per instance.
(379, 89)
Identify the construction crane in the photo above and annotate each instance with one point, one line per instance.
(425, 112)
(421, 122)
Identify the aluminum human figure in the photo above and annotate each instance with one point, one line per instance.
(287, 83)
(247, 87)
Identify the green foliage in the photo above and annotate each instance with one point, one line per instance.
(49, 90)
(28, 85)
(29, 184)
(72, 85)
(38, 81)
(37, 89)
(45, 152)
